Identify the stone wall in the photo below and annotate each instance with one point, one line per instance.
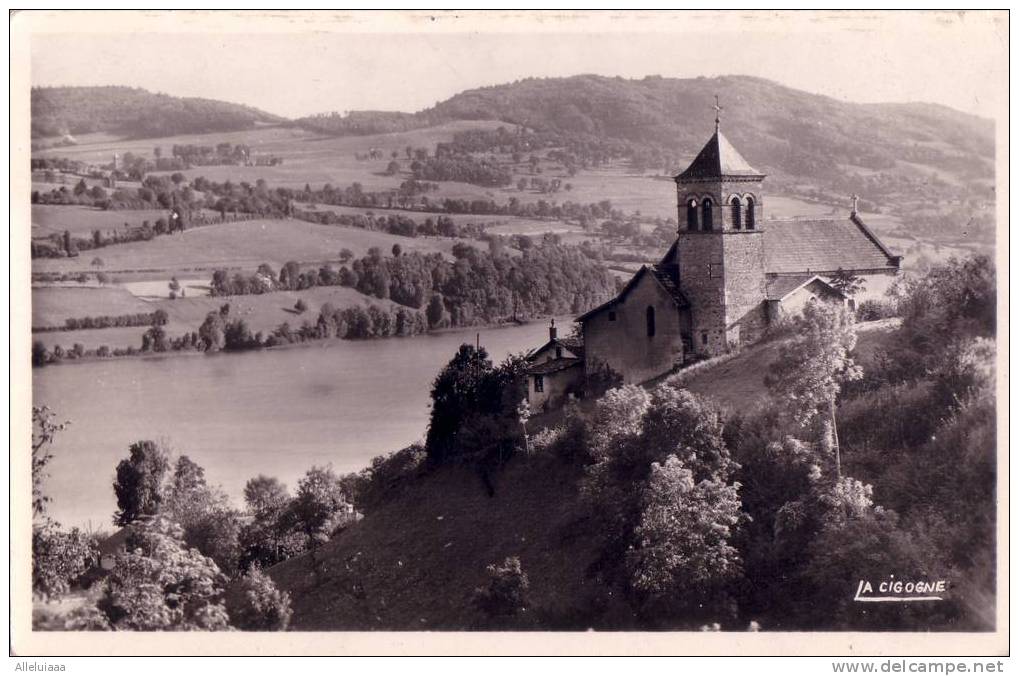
(702, 281)
(623, 344)
(745, 313)
(556, 387)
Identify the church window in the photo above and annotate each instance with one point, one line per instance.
(691, 215)
(751, 220)
(707, 223)
(650, 321)
(736, 214)
(704, 338)
(539, 383)
(558, 352)
(612, 315)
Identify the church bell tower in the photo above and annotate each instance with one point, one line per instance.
(720, 246)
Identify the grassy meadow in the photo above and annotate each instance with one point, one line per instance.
(138, 271)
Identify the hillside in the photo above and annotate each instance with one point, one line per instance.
(789, 134)
(135, 113)
(414, 562)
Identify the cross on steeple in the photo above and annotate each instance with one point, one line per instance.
(856, 199)
(718, 109)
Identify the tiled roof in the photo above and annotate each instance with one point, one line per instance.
(573, 344)
(780, 287)
(717, 159)
(660, 273)
(552, 366)
(671, 284)
(823, 246)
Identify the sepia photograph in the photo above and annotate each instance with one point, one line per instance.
(599, 332)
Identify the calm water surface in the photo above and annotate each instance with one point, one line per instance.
(276, 412)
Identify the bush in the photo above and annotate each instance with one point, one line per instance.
(158, 584)
(255, 604)
(59, 558)
(873, 309)
(301, 306)
(505, 594)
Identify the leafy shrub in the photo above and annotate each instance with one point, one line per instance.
(59, 558)
(683, 555)
(159, 584)
(873, 309)
(255, 604)
(506, 592)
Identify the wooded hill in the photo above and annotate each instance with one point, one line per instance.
(780, 130)
(134, 112)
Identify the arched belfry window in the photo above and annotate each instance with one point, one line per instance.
(650, 321)
(691, 215)
(737, 215)
(751, 218)
(707, 222)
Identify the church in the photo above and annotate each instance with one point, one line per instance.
(729, 275)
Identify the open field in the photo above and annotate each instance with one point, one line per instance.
(502, 225)
(243, 245)
(52, 305)
(262, 312)
(307, 157)
(48, 219)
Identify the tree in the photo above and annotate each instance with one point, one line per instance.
(618, 415)
(211, 332)
(683, 556)
(139, 484)
(265, 495)
(271, 535)
(158, 584)
(301, 306)
(255, 604)
(154, 340)
(454, 393)
(397, 250)
(846, 282)
(436, 312)
(813, 366)
(44, 431)
(38, 353)
(320, 506)
(505, 594)
(392, 168)
(97, 262)
(59, 558)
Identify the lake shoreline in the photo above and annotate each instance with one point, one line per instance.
(321, 342)
(241, 415)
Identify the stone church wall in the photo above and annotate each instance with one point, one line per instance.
(745, 290)
(702, 280)
(624, 346)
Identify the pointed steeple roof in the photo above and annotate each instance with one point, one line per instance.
(718, 159)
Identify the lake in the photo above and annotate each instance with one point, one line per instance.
(273, 412)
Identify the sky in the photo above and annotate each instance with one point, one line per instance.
(301, 64)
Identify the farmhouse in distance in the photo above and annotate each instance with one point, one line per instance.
(728, 277)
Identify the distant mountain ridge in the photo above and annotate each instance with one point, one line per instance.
(807, 143)
(134, 112)
(780, 130)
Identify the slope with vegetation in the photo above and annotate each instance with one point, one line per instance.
(649, 508)
(654, 509)
(133, 112)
